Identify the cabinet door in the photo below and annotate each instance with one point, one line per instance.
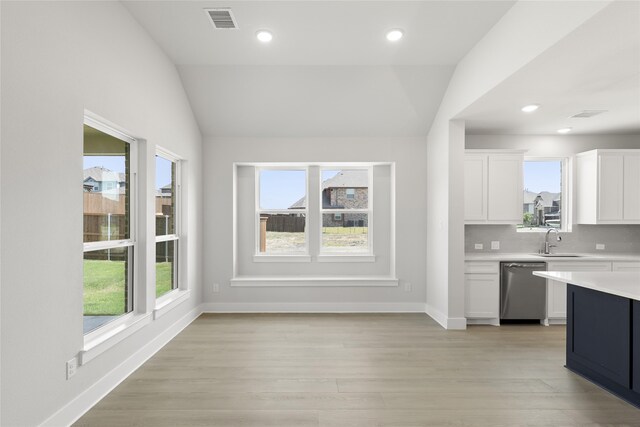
(625, 266)
(475, 187)
(505, 188)
(556, 300)
(557, 292)
(631, 204)
(610, 187)
(599, 334)
(482, 298)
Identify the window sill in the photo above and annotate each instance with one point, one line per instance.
(99, 341)
(281, 258)
(346, 258)
(331, 281)
(167, 302)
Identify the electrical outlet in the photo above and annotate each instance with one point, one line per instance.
(495, 245)
(72, 366)
(479, 246)
(216, 288)
(600, 246)
(407, 287)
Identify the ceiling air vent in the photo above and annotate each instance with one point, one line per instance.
(585, 114)
(222, 19)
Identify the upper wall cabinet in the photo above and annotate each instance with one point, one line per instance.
(608, 187)
(493, 186)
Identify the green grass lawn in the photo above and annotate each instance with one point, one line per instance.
(104, 286)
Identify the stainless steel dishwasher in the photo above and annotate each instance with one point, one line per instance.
(523, 296)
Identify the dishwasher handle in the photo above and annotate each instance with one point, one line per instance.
(526, 265)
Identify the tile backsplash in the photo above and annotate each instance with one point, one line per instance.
(583, 238)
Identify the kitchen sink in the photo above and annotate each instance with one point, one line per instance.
(560, 255)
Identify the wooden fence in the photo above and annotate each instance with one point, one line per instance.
(285, 223)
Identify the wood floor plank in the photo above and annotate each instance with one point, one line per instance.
(357, 370)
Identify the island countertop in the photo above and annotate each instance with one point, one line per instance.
(623, 284)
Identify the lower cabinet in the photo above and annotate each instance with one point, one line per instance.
(603, 340)
(557, 292)
(625, 266)
(482, 292)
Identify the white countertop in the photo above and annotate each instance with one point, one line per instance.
(623, 284)
(497, 256)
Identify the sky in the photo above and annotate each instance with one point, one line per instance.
(116, 164)
(279, 189)
(543, 176)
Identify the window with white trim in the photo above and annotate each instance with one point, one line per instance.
(167, 197)
(545, 198)
(281, 211)
(108, 231)
(345, 210)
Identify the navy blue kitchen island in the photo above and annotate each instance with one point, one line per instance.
(603, 329)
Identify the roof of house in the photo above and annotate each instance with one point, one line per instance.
(101, 174)
(343, 179)
(547, 197)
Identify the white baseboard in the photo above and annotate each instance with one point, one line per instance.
(71, 412)
(314, 307)
(453, 323)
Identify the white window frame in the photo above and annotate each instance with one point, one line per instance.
(369, 211)
(168, 297)
(281, 256)
(565, 191)
(94, 340)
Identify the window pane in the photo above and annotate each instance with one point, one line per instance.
(345, 233)
(166, 254)
(165, 196)
(542, 194)
(281, 234)
(106, 286)
(105, 186)
(283, 189)
(345, 189)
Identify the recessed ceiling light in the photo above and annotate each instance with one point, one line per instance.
(530, 108)
(564, 130)
(394, 35)
(264, 36)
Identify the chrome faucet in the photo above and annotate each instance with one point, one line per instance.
(547, 245)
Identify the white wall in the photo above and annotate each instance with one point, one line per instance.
(408, 153)
(525, 31)
(59, 58)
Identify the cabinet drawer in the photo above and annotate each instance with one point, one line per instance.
(626, 266)
(579, 266)
(481, 267)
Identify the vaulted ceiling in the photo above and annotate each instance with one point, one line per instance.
(329, 70)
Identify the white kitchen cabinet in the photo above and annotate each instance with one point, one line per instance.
(607, 187)
(482, 292)
(625, 266)
(493, 186)
(475, 187)
(631, 194)
(557, 292)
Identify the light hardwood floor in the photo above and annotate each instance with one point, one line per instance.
(357, 370)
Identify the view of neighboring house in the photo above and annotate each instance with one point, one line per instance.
(98, 179)
(348, 189)
(550, 201)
